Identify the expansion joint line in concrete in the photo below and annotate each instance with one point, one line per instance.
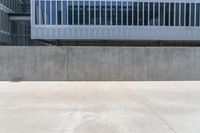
(67, 63)
(130, 93)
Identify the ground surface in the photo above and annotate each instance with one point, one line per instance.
(100, 107)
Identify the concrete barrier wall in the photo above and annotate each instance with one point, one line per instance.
(99, 63)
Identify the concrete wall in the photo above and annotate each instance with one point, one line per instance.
(99, 63)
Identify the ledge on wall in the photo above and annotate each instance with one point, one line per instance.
(122, 43)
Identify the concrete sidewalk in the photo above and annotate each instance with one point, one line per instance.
(100, 107)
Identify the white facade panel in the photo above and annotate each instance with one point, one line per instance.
(114, 33)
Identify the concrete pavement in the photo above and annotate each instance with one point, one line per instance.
(99, 107)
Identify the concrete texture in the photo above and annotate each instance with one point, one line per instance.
(100, 107)
(90, 63)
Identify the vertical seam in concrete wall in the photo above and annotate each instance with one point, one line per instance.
(119, 67)
(68, 79)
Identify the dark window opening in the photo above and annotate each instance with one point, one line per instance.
(198, 14)
(135, 13)
(130, 13)
(140, 13)
(161, 14)
(124, 13)
(166, 14)
(97, 13)
(114, 10)
(182, 14)
(81, 12)
(36, 12)
(86, 12)
(53, 21)
(177, 14)
(108, 17)
(59, 12)
(187, 19)
(64, 12)
(171, 14)
(192, 14)
(151, 14)
(70, 12)
(48, 12)
(146, 13)
(119, 13)
(92, 18)
(156, 14)
(42, 13)
(103, 11)
(75, 12)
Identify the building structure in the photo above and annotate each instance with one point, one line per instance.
(58, 21)
(166, 20)
(54, 21)
(6, 7)
(15, 28)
